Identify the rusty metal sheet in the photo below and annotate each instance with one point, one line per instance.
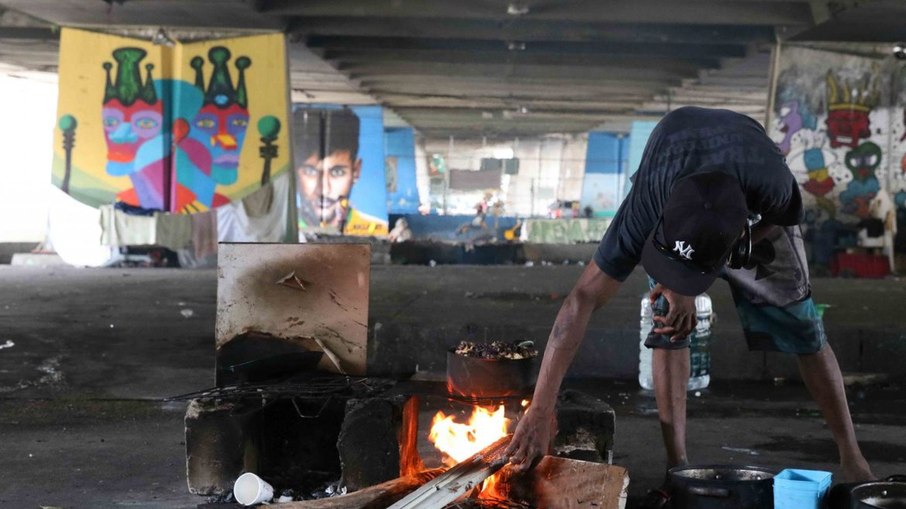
(315, 295)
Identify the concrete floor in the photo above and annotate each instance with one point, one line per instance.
(87, 357)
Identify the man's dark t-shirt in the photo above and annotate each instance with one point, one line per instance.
(695, 140)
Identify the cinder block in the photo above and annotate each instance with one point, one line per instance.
(585, 427)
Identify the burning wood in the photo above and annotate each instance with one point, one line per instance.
(459, 480)
(375, 497)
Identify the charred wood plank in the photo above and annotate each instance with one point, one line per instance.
(459, 480)
(378, 496)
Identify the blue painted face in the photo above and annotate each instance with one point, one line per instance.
(222, 131)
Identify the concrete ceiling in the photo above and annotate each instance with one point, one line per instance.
(494, 68)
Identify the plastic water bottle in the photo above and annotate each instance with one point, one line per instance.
(699, 351)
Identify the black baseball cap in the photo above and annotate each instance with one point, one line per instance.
(702, 219)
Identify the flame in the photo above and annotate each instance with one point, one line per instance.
(459, 441)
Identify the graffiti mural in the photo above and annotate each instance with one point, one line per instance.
(178, 129)
(848, 108)
(839, 119)
(832, 120)
(793, 118)
(340, 165)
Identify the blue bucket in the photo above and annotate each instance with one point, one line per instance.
(800, 489)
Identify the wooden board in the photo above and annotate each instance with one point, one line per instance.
(561, 483)
(316, 294)
(378, 496)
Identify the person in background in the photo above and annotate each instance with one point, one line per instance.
(400, 231)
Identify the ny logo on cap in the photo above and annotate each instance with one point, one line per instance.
(683, 250)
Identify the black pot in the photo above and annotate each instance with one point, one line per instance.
(887, 494)
(721, 487)
(489, 378)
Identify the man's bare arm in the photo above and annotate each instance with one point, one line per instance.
(593, 289)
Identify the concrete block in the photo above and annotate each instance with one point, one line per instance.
(216, 446)
(377, 440)
(585, 427)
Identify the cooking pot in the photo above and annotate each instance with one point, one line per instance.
(887, 494)
(489, 378)
(721, 487)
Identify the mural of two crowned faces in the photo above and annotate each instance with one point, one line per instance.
(174, 134)
(207, 134)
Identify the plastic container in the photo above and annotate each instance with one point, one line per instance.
(699, 350)
(249, 489)
(800, 489)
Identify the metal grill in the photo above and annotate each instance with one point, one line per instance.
(316, 388)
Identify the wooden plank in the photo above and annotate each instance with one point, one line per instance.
(561, 483)
(378, 496)
(459, 480)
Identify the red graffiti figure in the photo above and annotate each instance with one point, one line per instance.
(847, 112)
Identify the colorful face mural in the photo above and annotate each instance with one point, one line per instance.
(325, 184)
(210, 132)
(339, 159)
(223, 119)
(170, 132)
(848, 108)
(790, 124)
(863, 161)
(132, 117)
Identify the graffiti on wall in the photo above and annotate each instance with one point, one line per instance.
(339, 161)
(841, 129)
(170, 127)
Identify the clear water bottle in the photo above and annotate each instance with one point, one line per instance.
(699, 350)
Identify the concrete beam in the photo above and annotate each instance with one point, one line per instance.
(183, 13)
(529, 30)
(365, 71)
(406, 45)
(695, 12)
(29, 33)
(468, 115)
(689, 64)
(492, 103)
(491, 85)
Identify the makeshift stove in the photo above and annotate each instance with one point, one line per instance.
(291, 403)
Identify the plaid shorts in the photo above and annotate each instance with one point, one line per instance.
(773, 299)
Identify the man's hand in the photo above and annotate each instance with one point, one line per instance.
(680, 319)
(531, 439)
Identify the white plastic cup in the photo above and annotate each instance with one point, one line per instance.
(249, 489)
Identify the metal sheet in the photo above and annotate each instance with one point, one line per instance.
(312, 294)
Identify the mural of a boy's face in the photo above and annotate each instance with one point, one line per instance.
(327, 183)
(126, 129)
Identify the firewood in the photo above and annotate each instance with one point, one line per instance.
(378, 496)
(562, 483)
(459, 480)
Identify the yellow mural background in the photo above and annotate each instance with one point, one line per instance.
(82, 80)
(266, 81)
(81, 93)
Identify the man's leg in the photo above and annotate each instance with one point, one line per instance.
(821, 375)
(671, 374)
